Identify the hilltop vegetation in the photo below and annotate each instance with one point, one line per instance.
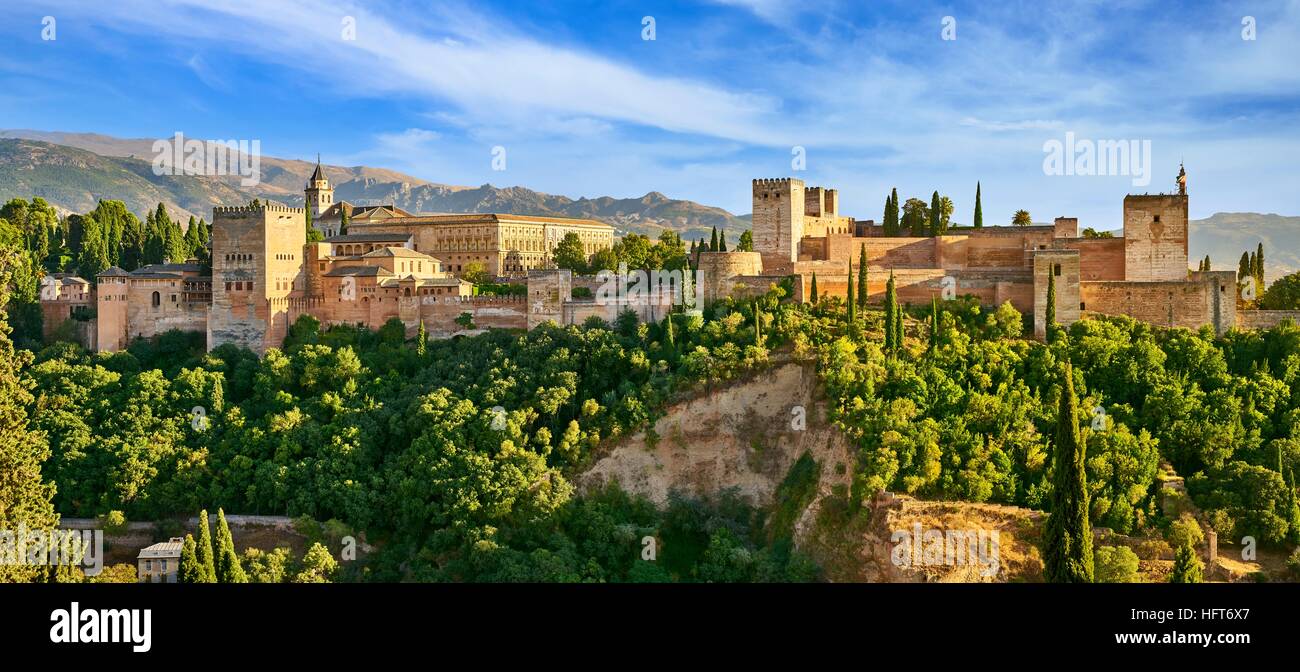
(459, 460)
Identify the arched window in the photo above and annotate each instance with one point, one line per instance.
(157, 300)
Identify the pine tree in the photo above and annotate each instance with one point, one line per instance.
(1049, 318)
(421, 340)
(862, 277)
(204, 550)
(190, 570)
(852, 305)
(813, 296)
(1187, 567)
(25, 497)
(1067, 557)
(936, 216)
(979, 209)
(227, 561)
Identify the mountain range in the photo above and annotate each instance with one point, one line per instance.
(75, 170)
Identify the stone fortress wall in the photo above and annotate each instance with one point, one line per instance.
(1143, 273)
(265, 275)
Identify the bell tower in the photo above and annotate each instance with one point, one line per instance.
(319, 194)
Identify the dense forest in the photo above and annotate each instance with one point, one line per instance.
(456, 457)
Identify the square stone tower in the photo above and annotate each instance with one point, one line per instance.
(779, 206)
(1155, 237)
(257, 264)
(1063, 267)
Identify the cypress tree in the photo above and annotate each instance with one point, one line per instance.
(1244, 267)
(936, 215)
(979, 209)
(1049, 319)
(421, 340)
(852, 305)
(204, 550)
(217, 400)
(813, 296)
(892, 221)
(669, 337)
(891, 310)
(1259, 269)
(228, 568)
(345, 218)
(713, 242)
(1187, 567)
(722, 241)
(758, 324)
(1067, 557)
(934, 323)
(898, 324)
(1292, 509)
(313, 236)
(884, 220)
(94, 250)
(862, 276)
(190, 570)
(192, 242)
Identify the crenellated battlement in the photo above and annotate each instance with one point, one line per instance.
(776, 182)
(486, 300)
(253, 209)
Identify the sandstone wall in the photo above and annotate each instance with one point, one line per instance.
(778, 220)
(1099, 258)
(1155, 238)
(1265, 319)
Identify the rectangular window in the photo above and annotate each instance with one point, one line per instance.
(1056, 269)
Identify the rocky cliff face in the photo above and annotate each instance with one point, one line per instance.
(747, 437)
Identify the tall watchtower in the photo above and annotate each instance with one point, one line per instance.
(1155, 235)
(319, 194)
(779, 206)
(257, 265)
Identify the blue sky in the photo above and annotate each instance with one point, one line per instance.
(585, 107)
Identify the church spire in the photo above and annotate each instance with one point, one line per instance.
(318, 175)
(1182, 180)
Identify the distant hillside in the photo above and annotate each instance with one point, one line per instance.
(73, 170)
(74, 180)
(1225, 235)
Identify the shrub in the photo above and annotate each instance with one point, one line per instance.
(1115, 564)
